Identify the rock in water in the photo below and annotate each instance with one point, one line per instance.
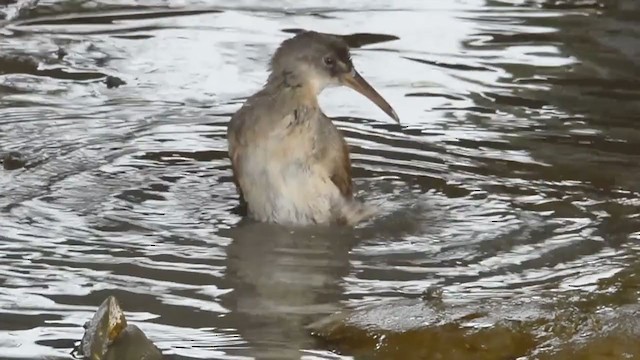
(101, 331)
(133, 344)
(13, 160)
(114, 82)
(107, 336)
(543, 328)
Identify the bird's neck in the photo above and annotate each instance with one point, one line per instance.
(302, 91)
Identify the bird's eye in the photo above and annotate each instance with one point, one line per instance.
(329, 61)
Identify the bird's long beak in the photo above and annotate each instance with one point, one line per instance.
(359, 84)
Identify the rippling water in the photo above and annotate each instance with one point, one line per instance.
(516, 170)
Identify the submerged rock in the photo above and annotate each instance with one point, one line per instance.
(614, 336)
(13, 160)
(414, 329)
(107, 336)
(114, 82)
(527, 329)
(61, 53)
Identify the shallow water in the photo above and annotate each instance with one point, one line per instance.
(515, 170)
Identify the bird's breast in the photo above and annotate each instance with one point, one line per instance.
(284, 179)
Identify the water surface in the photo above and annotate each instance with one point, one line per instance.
(515, 171)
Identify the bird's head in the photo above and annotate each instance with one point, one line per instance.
(318, 61)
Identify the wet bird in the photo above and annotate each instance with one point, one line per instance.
(290, 163)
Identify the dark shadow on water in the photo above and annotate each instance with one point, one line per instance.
(25, 65)
(110, 18)
(462, 67)
(354, 40)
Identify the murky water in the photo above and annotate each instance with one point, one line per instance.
(516, 170)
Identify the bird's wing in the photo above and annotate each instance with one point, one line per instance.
(234, 168)
(235, 159)
(341, 174)
(234, 155)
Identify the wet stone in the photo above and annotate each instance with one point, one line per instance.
(114, 82)
(13, 160)
(133, 344)
(107, 336)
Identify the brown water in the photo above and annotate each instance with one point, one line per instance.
(516, 170)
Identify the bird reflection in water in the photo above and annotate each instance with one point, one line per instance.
(283, 279)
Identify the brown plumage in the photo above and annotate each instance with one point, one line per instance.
(290, 163)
